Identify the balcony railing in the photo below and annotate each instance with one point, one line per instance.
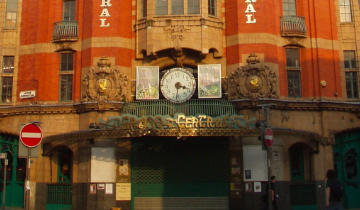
(65, 31)
(293, 26)
(213, 108)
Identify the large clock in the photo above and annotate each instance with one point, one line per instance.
(177, 85)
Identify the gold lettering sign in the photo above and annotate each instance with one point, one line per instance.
(180, 121)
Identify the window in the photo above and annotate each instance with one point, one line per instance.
(6, 89)
(193, 6)
(351, 76)
(345, 11)
(144, 8)
(66, 76)
(351, 84)
(349, 59)
(212, 7)
(69, 10)
(7, 79)
(293, 72)
(177, 7)
(161, 7)
(289, 8)
(8, 64)
(11, 13)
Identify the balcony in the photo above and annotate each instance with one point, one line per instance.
(65, 31)
(293, 26)
(159, 33)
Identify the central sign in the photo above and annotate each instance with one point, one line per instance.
(180, 121)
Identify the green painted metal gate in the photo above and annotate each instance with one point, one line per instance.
(347, 163)
(59, 195)
(15, 174)
(174, 171)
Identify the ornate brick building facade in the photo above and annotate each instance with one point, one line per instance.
(157, 104)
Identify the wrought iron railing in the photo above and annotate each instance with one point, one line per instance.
(65, 31)
(211, 108)
(293, 26)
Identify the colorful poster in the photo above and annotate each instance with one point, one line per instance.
(147, 82)
(209, 81)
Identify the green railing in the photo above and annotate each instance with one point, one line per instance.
(211, 108)
(59, 196)
(65, 31)
(293, 26)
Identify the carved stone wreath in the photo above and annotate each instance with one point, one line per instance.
(254, 80)
(104, 83)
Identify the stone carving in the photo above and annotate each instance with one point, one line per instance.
(254, 80)
(104, 83)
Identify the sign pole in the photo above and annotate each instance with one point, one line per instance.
(4, 184)
(30, 136)
(27, 184)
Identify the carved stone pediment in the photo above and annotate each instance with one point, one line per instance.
(255, 80)
(104, 83)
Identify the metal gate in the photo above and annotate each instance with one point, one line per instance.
(347, 163)
(59, 197)
(15, 174)
(180, 174)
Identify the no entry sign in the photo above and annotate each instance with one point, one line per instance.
(30, 135)
(268, 137)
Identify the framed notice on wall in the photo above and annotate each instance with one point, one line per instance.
(147, 82)
(209, 81)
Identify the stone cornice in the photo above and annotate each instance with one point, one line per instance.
(299, 105)
(241, 104)
(39, 109)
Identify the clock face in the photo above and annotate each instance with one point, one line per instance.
(178, 85)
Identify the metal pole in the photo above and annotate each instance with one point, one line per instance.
(27, 183)
(4, 184)
(265, 108)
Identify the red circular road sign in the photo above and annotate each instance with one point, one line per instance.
(30, 135)
(268, 137)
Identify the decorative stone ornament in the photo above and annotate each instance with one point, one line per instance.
(254, 80)
(104, 83)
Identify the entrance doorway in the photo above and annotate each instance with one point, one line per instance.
(15, 173)
(59, 194)
(180, 174)
(347, 164)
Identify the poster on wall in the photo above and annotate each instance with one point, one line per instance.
(109, 188)
(257, 186)
(103, 163)
(255, 163)
(209, 81)
(123, 191)
(147, 82)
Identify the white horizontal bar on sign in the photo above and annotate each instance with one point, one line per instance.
(30, 135)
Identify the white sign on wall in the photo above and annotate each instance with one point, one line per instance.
(255, 163)
(103, 164)
(27, 94)
(250, 11)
